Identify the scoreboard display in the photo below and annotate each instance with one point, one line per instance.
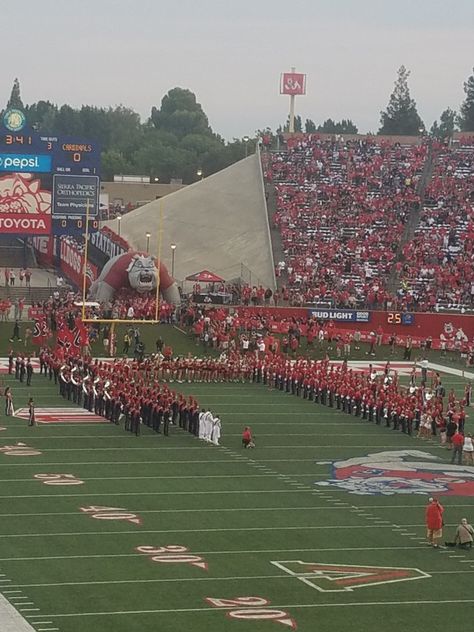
(68, 155)
(400, 318)
(45, 178)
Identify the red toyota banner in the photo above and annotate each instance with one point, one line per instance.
(293, 83)
(25, 204)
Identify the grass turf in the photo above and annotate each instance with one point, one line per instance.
(238, 510)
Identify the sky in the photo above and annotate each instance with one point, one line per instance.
(230, 53)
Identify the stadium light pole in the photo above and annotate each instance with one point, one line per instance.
(119, 219)
(246, 141)
(173, 250)
(148, 235)
(291, 123)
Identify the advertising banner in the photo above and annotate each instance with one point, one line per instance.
(72, 263)
(293, 83)
(440, 326)
(73, 194)
(25, 204)
(25, 163)
(106, 245)
(340, 315)
(43, 246)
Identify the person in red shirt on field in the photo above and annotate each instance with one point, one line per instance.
(457, 441)
(434, 522)
(247, 441)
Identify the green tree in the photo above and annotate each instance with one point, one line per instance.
(466, 120)
(309, 126)
(446, 126)
(15, 98)
(401, 116)
(346, 126)
(176, 141)
(181, 114)
(286, 127)
(114, 163)
(68, 122)
(42, 116)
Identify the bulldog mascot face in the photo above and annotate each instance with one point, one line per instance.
(137, 271)
(142, 273)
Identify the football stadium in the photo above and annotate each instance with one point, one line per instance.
(236, 376)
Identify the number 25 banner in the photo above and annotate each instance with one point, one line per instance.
(292, 83)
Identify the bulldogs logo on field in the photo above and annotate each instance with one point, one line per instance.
(400, 472)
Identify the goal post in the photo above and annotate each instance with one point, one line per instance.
(114, 322)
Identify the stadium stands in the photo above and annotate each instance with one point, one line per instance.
(438, 271)
(341, 209)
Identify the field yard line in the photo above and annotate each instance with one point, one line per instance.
(350, 604)
(141, 478)
(92, 437)
(128, 462)
(199, 447)
(205, 530)
(234, 552)
(204, 510)
(193, 579)
(193, 493)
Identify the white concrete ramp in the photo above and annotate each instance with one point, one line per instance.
(219, 224)
(11, 620)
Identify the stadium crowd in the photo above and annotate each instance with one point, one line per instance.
(438, 269)
(341, 211)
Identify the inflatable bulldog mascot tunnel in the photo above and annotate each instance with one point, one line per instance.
(137, 271)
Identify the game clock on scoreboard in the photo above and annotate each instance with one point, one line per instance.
(400, 318)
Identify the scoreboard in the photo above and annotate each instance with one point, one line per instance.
(47, 182)
(68, 155)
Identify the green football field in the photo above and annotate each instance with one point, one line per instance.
(252, 526)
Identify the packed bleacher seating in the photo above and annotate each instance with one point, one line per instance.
(438, 271)
(341, 211)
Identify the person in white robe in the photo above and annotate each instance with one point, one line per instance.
(216, 430)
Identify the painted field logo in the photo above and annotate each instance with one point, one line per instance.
(62, 416)
(400, 472)
(344, 578)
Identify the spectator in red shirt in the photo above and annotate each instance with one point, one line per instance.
(434, 522)
(247, 441)
(457, 441)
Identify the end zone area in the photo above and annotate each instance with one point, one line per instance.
(103, 531)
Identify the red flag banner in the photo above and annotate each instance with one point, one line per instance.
(68, 340)
(41, 332)
(82, 331)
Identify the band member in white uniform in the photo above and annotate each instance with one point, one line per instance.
(216, 430)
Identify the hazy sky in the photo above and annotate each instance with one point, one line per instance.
(231, 53)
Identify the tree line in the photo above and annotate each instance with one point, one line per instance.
(177, 140)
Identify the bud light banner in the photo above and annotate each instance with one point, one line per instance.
(340, 315)
(71, 259)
